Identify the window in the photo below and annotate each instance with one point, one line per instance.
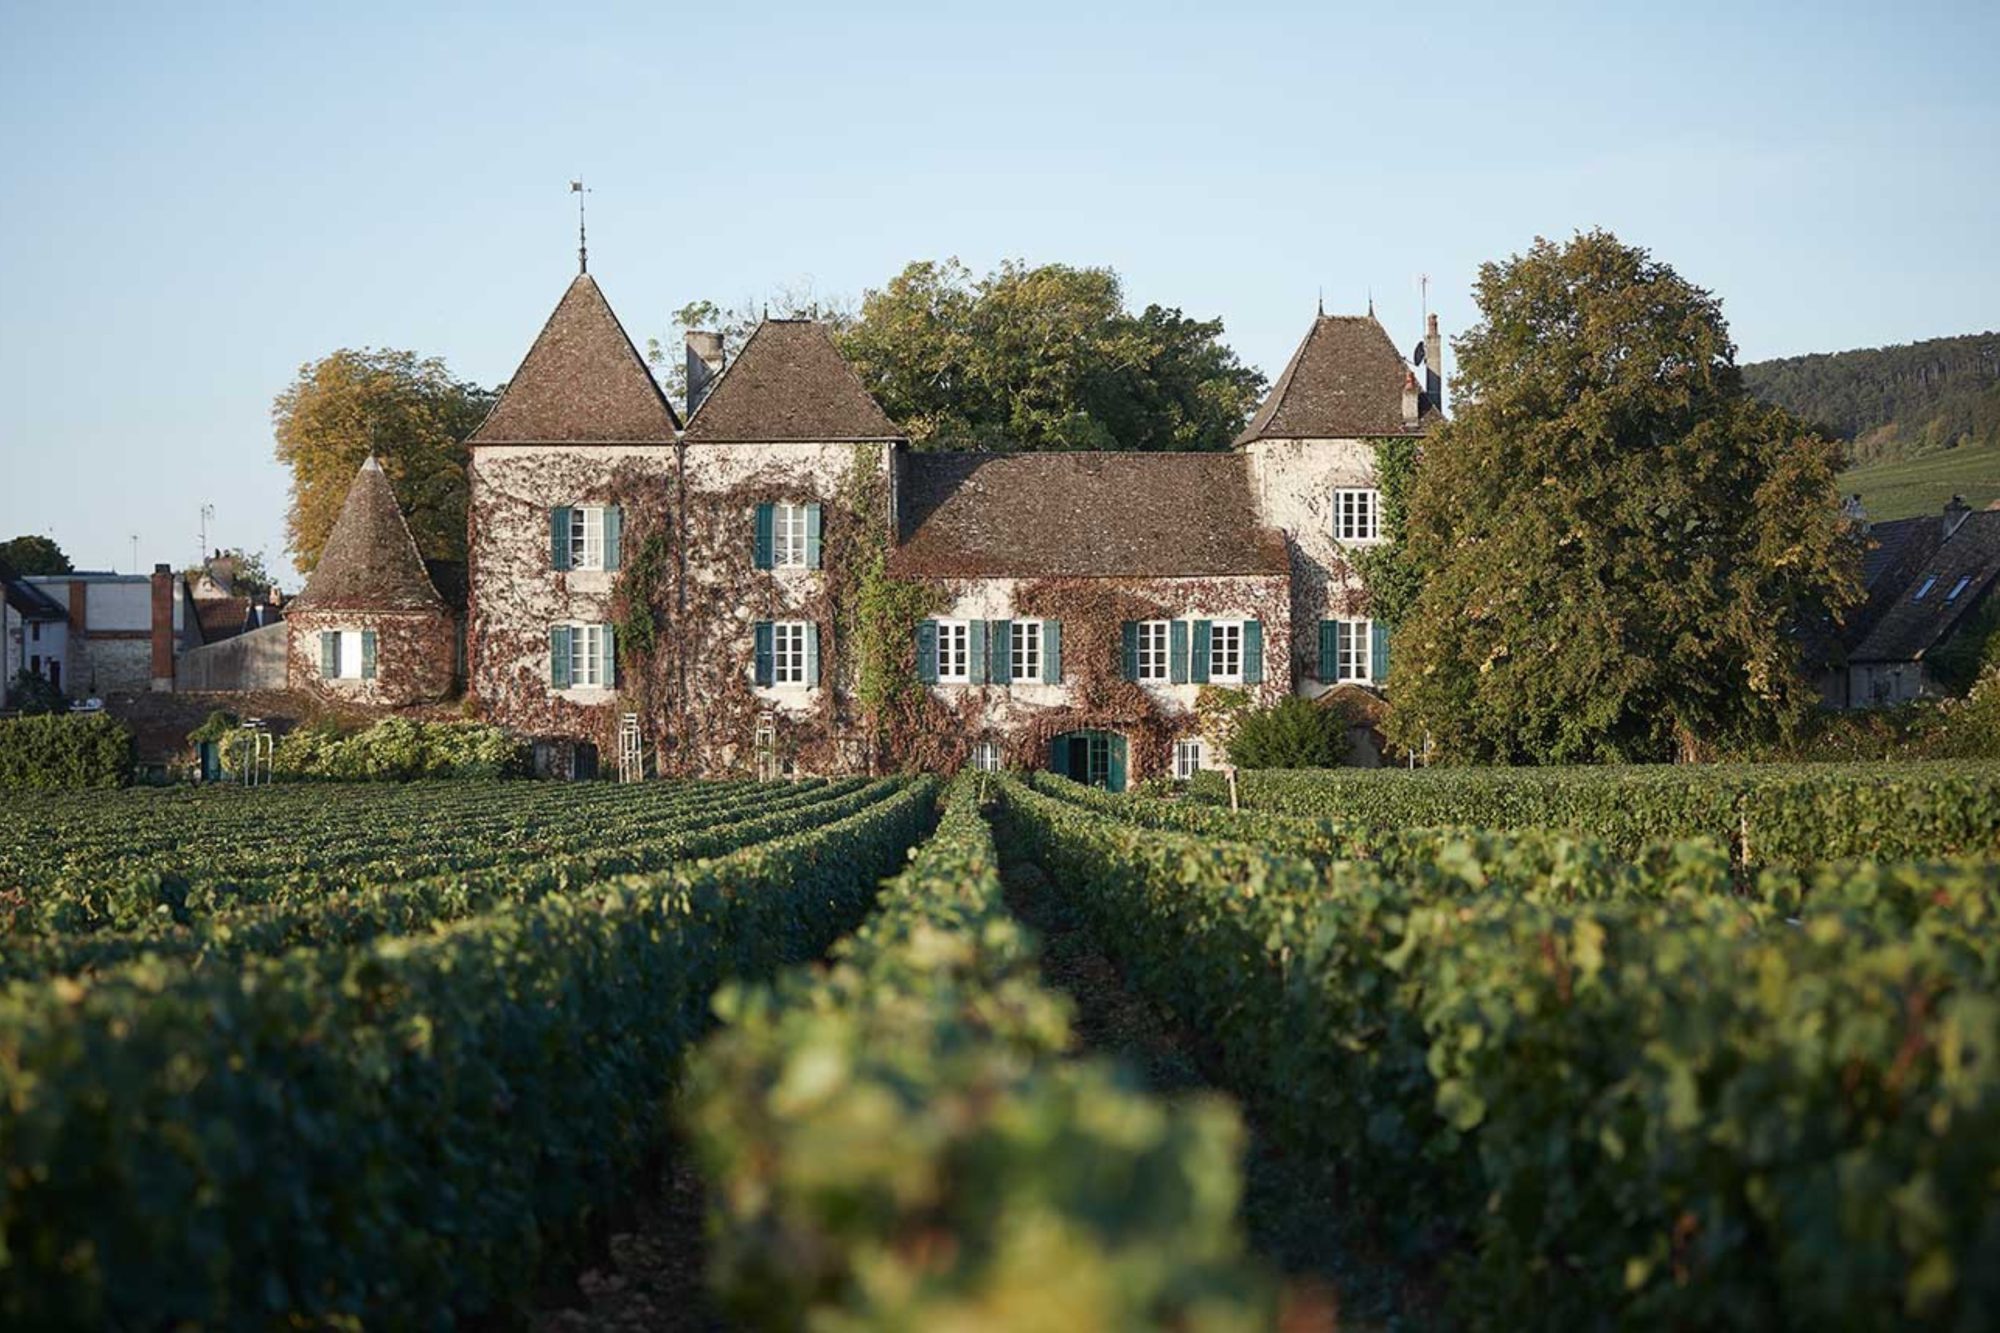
(954, 651)
(1187, 759)
(1958, 587)
(35, 629)
(788, 536)
(1925, 590)
(1357, 515)
(1225, 651)
(986, 756)
(788, 652)
(586, 656)
(1352, 658)
(1027, 650)
(346, 654)
(1153, 650)
(586, 537)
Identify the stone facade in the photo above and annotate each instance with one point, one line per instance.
(620, 563)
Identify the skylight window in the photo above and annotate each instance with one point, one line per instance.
(1958, 587)
(1925, 590)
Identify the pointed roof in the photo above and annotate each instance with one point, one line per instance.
(789, 383)
(583, 382)
(370, 560)
(1344, 382)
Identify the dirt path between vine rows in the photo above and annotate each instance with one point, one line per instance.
(1334, 1276)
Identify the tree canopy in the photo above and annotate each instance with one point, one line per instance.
(410, 412)
(1892, 403)
(32, 553)
(1615, 545)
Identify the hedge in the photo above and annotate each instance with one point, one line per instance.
(399, 750)
(64, 752)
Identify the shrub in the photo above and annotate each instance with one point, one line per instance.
(398, 750)
(30, 694)
(64, 752)
(1293, 733)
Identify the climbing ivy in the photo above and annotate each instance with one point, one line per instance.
(1387, 571)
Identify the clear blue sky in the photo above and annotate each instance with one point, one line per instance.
(199, 198)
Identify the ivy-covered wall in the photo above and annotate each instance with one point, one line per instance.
(414, 656)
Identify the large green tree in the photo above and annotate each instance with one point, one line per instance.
(409, 411)
(1044, 357)
(32, 553)
(1614, 544)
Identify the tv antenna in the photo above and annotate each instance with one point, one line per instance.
(135, 554)
(1424, 295)
(207, 512)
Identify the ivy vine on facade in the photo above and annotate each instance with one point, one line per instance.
(778, 584)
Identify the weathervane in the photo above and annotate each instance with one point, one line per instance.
(582, 251)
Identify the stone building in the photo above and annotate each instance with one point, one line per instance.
(1932, 583)
(782, 585)
(371, 627)
(120, 633)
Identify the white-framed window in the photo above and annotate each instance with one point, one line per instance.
(1964, 580)
(586, 537)
(1354, 657)
(788, 652)
(1187, 758)
(1027, 650)
(1225, 651)
(986, 756)
(788, 536)
(341, 654)
(954, 651)
(586, 657)
(1153, 636)
(1357, 514)
(1925, 590)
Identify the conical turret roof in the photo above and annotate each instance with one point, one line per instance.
(370, 561)
(1345, 381)
(583, 382)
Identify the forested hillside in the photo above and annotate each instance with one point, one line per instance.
(1893, 403)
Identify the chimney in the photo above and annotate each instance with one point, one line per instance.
(1954, 514)
(76, 644)
(1412, 409)
(704, 363)
(163, 629)
(1855, 512)
(1434, 363)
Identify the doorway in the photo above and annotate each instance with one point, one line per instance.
(1094, 758)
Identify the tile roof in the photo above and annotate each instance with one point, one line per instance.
(583, 382)
(1345, 381)
(789, 383)
(1042, 515)
(370, 560)
(221, 617)
(1911, 625)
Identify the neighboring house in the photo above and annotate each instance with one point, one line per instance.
(1929, 580)
(1078, 602)
(121, 633)
(371, 628)
(33, 631)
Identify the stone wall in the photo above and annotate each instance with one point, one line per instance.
(1295, 481)
(253, 661)
(414, 656)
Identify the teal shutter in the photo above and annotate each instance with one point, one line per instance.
(1130, 630)
(1253, 652)
(1177, 652)
(1059, 756)
(763, 665)
(614, 535)
(607, 661)
(368, 654)
(1000, 638)
(329, 653)
(1115, 778)
(975, 652)
(1329, 651)
(764, 515)
(559, 656)
(1052, 652)
(1198, 659)
(927, 652)
(559, 537)
(1378, 651)
(813, 535)
(812, 653)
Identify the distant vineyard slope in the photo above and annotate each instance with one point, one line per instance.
(1892, 404)
(1923, 485)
